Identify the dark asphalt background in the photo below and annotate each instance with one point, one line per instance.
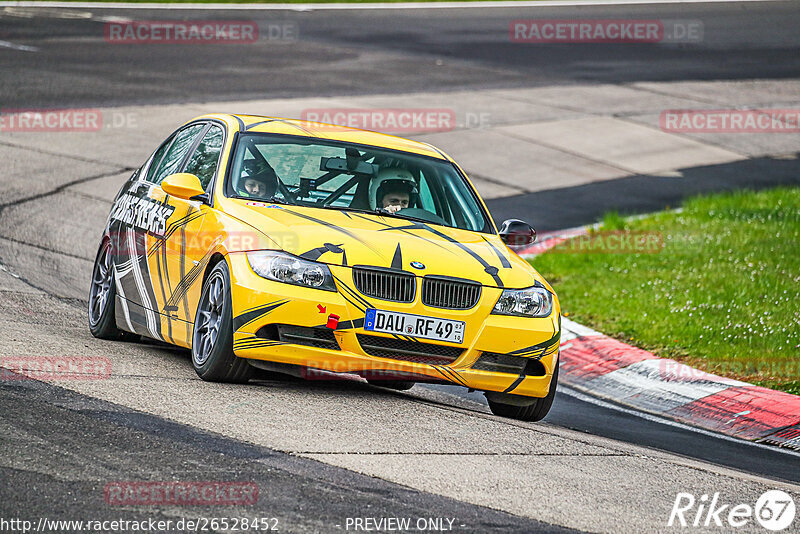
(348, 53)
(379, 51)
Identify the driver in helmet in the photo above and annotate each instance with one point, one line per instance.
(258, 180)
(393, 190)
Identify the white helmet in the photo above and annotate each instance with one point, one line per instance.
(395, 178)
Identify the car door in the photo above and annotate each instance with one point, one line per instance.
(184, 254)
(142, 222)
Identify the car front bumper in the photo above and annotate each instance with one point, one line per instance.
(521, 352)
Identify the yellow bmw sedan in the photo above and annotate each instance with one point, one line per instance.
(313, 249)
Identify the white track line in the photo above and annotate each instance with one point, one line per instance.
(23, 48)
(653, 418)
(364, 6)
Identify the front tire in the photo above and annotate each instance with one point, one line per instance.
(531, 413)
(212, 341)
(102, 296)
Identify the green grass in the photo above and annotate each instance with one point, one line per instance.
(722, 295)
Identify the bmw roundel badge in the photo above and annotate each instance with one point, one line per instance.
(417, 265)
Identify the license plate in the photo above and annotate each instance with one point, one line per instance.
(414, 325)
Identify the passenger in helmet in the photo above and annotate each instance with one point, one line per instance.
(392, 190)
(258, 180)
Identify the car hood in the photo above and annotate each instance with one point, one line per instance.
(345, 238)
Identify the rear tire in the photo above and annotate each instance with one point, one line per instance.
(212, 341)
(102, 296)
(531, 413)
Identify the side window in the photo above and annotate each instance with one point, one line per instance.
(205, 159)
(176, 152)
(151, 171)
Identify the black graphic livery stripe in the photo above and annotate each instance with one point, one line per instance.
(503, 260)
(186, 282)
(404, 229)
(315, 253)
(540, 350)
(249, 316)
(449, 375)
(488, 268)
(172, 228)
(354, 294)
(254, 343)
(537, 352)
(454, 375)
(344, 231)
(397, 260)
(514, 384)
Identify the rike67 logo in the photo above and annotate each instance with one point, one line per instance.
(774, 510)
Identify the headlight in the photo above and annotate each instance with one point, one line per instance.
(282, 267)
(530, 302)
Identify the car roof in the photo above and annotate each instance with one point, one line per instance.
(277, 125)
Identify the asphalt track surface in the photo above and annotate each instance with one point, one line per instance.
(303, 495)
(58, 469)
(377, 52)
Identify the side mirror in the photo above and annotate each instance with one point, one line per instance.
(516, 233)
(182, 185)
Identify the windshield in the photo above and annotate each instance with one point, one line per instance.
(337, 175)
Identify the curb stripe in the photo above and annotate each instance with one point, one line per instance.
(609, 369)
(593, 356)
(748, 412)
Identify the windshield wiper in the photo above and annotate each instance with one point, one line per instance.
(342, 208)
(377, 211)
(272, 200)
(381, 212)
